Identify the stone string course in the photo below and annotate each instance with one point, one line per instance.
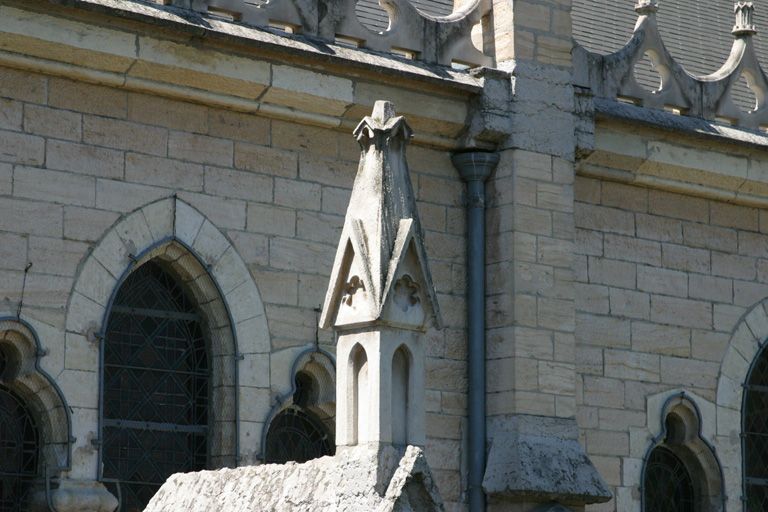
(75, 157)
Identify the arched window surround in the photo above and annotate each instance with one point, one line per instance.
(749, 334)
(689, 445)
(402, 395)
(172, 222)
(358, 382)
(321, 366)
(41, 396)
(40, 391)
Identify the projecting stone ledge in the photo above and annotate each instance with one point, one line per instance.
(539, 459)
(354, 480)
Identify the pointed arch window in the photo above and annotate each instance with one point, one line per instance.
(156, 386)
(19, 449)
(681, 472)
(296, 433)
(668, 485)
(755, 434)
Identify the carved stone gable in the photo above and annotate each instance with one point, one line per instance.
(381, 253)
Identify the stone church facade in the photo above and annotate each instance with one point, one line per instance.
(174, 176)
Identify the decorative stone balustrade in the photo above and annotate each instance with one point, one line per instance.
(710, 97)
(455, 39)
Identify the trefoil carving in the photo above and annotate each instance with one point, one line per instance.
(406, 293)
(354, 284)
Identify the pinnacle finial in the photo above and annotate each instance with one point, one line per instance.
(645, 7)
(744, 25)
(383, 111)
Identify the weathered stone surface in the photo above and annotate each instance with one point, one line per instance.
(539, 458)
(382, 215)
(77, 496)
(357, 479)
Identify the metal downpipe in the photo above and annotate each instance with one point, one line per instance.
(474, 168)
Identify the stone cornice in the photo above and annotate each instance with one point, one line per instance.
(256, 42)
(252, 70)
(706, 162)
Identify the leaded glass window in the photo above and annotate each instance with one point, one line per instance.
(156, 386)
(755, 425)
(19, 441)
(668, 484)
(296, 434)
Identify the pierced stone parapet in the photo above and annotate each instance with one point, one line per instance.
(710, 97)
(447, 40)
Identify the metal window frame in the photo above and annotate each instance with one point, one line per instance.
(662, 448)
(136, 425)
(134, 259)
(21, 403)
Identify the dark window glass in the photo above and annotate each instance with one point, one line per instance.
(296, 435)
(668, 485)
(18, 452)
(156, 387)
(756, 435)
(4, 363)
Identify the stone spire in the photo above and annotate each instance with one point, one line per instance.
(380, 299)
(381, 258)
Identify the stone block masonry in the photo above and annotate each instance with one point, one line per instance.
(659, 315)
(76, 157)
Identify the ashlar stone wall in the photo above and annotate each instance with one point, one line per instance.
(663, 280)
(76, 157)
